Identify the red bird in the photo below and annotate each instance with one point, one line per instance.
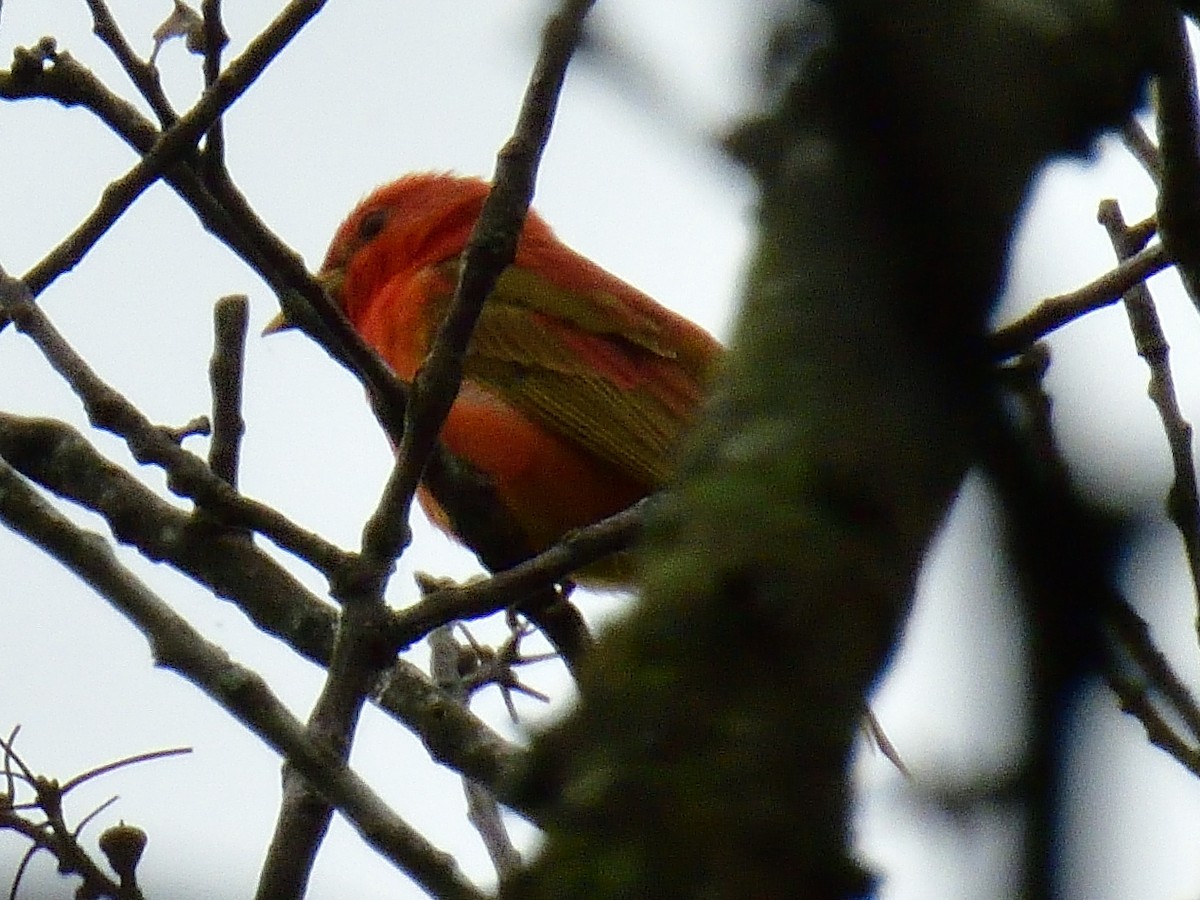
(577, 386)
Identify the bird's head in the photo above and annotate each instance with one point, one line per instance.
(416, 221)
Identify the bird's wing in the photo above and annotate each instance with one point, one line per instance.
(604, 374)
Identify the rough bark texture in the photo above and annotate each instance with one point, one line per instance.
(708, 755)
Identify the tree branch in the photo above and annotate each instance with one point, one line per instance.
(187, 475)
(225, 376)
(180, 648)
(177, 141)
(55, 456)
(144, 77)
(1055, 312)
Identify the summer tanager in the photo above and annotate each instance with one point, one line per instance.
(576, 386)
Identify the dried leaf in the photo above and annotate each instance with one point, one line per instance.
(183, 22)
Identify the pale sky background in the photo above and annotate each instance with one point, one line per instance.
(372, 90)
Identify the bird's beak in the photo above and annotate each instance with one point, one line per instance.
(331, 280)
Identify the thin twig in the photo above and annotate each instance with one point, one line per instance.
(510, 587)
(59, 459)
(134, 760)
(144, 76)
(187, 475)
(483, 812)
(1055, 312)
(215, 39)
(41, 72)
(178, 140)
(1183, 499)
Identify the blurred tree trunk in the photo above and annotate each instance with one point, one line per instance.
(708, 756)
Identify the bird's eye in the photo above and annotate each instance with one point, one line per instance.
(372, 223)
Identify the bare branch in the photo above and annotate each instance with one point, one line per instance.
(240, 691)
(360, 652)
(143, 75)
(512, 586)
(1055, 312)
(215, 40)
(187, 475)
(1183, 499)
(177, 141)
(483, 812)
(225, 376)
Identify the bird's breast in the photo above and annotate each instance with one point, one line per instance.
(548, 484)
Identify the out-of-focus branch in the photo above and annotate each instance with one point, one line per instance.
(1138, 143)
(1154, 677)
(1179, 150)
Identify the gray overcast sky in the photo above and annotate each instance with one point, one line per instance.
(372, 90)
